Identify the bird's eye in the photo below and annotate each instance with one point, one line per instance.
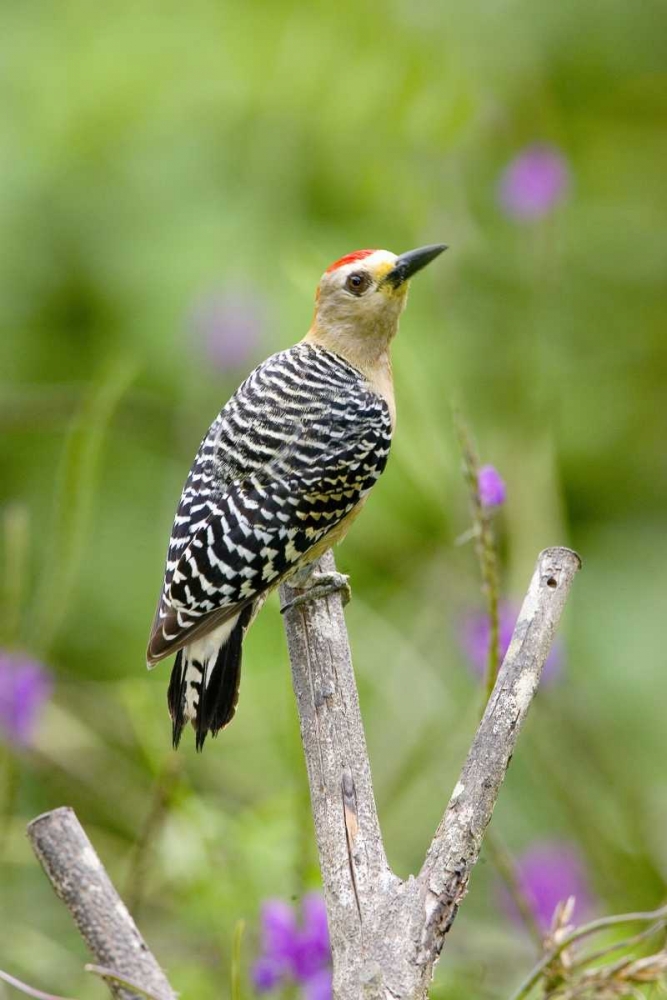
(358, 282)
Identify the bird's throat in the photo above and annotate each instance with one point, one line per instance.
(369, 355)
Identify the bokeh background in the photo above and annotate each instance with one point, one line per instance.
(173, 180)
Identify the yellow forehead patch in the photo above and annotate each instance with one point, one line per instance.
(382, 268)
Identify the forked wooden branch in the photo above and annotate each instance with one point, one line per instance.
(79, 879)
(387, 934)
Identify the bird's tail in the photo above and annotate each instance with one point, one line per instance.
(204, 685)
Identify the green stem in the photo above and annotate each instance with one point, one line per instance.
(485, 547)
(9, 798)
(29, 991)
(162, 792)
(630, 942)
(236, 959)
(73, 512)
(581, 932)
(15, 531)
(115, 977)
(489, 566)
(504, 865)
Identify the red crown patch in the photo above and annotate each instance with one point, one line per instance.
(350, 258)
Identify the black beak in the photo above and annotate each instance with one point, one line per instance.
(411, 262)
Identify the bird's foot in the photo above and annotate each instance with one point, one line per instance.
(319, 585)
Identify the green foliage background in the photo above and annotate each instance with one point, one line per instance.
(154, 151)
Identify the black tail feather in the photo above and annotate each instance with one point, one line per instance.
(217, 706)
(217, 686)
(176, 699)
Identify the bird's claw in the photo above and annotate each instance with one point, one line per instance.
(321, 585)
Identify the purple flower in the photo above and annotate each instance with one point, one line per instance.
(295, 952)
(548, 872)
(534, 182)
(314, 951)
(228, 327)
(266, 974)
(492, 492)
(319, 987)
(25, 686)
(474, 637)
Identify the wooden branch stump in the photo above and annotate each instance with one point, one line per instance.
(387, 934)
(81, 882)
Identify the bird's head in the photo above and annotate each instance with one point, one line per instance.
(360, 299)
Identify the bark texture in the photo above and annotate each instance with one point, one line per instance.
(79, 879)
(386, 933)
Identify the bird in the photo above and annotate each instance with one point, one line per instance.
(280, 476)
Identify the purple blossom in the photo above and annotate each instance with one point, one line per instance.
(295, 952)
(534, 182)
(474, 637)
(267, 974)
(491, 487)
(319, 987)
(548, 872)
(25, 685)
(227, 327)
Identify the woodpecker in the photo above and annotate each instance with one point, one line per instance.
(281, 474)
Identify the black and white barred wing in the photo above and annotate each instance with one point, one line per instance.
(266, 523)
